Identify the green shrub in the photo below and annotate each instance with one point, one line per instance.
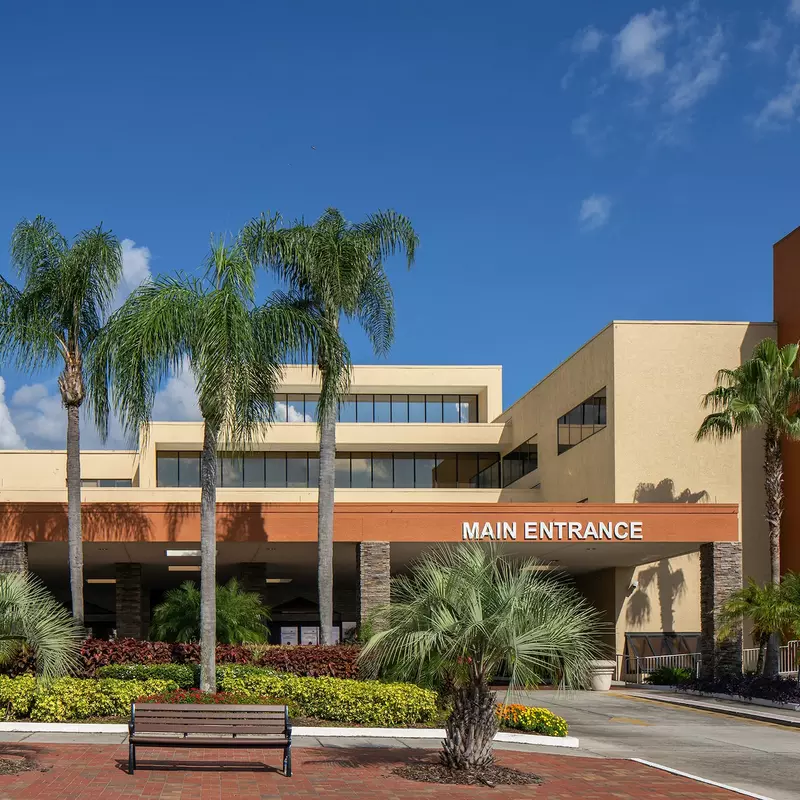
(670, 676)
(16, 696)
(70, 699)
(336, 699)
(182, 674)
(533, 720)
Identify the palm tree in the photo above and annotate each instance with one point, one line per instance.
(240, 615)
(338, 267)
(30, 617)
(54, 320)
(235, 350)
(761, 394)
(464, 613)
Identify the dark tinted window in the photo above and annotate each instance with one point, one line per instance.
(404, 470)
(276, 470)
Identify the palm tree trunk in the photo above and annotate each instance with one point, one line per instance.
(208, 558)
(762, 652)
(470, 727)
(327, 481)
(74, 535)
(773, 486)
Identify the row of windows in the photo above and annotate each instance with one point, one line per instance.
(353, 470)
(520, 461)
(382, 408)
(581, 422)
(107, 483)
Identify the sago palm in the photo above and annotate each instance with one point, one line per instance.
(30, 617)
(241, 616)
(762, 394)
(461, 615)
(235, 350)
(54, 320)
(338, 266)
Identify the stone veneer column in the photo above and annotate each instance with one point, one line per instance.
(720, 575)
(129, 601)
(373, 564)
(253, 578)
(13, 557)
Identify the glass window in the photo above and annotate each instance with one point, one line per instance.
(416, 408)
(276, 470)
(399, 408)
(280, 408)
(433, 408)
(582, 421)
(522, 460)
(383, 408)
(404, 470)
(489, 474)
(189, 469)
(230, 471)
(382, 472)
(360, 471)
(295, 408)
(364, 408)
(467, 470)
(167, 469)
(343, 470)
(253, 470)
(446, 470)
(296, 470)
(312, 400)
(469, 408)
(424, 470)
(347, 409)
(451, 408)
(313, 470)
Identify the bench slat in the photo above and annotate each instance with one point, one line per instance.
(211, 709)
(207, 727)
(200, 743)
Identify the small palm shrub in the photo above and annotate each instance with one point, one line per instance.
(530, 719)
(670, 676)
(241, 616)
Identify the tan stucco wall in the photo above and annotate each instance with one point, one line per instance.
(37, 470)
(587, 470)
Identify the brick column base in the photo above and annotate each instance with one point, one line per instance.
(13, 557)
(720, 575)
(129, 601)
(374, 573)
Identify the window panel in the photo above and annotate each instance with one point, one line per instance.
(360, 471)
(424, 470)
(312, 401)
(451, 409)
(347, 409)
(416, 408)
(399, 408)
(296, 470)
(433, 408)
(522, 460)
(446, 470)
(404, 470)
(489, 474)
(167, 469)
(468, 408)
(295, 408)
(230, 471)
(253, 471)
(342, 470)
(467, 470)
(383, 408)
(189, 469)
(382, 472)
(280, 408)
(276, 470)
(583, 421)
(313, 470)
(364, 408)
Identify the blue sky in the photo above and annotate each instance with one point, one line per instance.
(564, 164)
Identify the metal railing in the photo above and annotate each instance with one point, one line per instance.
(787, 659)
(637, 667)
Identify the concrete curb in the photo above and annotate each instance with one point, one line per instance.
(299, 732)
(748, 701)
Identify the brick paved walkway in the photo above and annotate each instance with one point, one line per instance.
(97, 772)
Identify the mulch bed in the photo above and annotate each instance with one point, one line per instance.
(491, 776)
(13, 766)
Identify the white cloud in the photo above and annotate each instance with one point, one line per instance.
(9, 437)
(784, 108)
(769, 36)
(793, 11)
(595, 136)
(135, 270)
(595, 212)
(177, 401)
(39, 416)
(587, 41)
(696, 72)
(639, 46)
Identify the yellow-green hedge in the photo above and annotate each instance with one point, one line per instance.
(68, 699)
(531, 719)
(336, 699)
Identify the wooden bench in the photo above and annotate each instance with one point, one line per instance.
(168, 725)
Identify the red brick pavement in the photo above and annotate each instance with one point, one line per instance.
(97, 772)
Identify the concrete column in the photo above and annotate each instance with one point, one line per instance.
(720, 575)
(373, 564)
(13, 557)
(129, 601)
(253, 578)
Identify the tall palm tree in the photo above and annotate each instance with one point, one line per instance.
(762, 394)
(55, 320)
(30, 617)
(338, 266)
(464, 613)
(235, 350)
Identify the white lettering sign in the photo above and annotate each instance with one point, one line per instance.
(552, 531)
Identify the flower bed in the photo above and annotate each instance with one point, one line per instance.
(531, 720)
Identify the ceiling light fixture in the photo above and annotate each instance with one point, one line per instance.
(182, 553)
(279, 580)
(101, 580)
(183, 568)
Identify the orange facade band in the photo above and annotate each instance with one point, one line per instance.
(392, 522)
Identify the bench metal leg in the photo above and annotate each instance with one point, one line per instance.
(287, 761)
(131, 758)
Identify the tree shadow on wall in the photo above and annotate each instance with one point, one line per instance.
(671, 585)
(664, 492)
(236, 522)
